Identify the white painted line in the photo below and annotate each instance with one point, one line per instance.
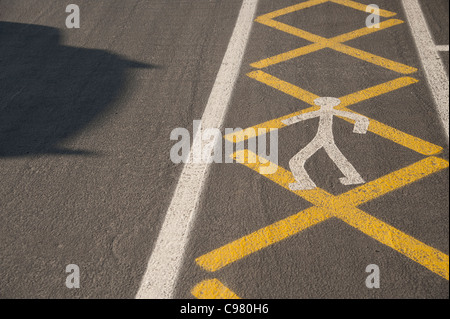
(431, 61)
(163, 267)
(442, 47)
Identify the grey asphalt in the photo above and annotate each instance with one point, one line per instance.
(85, 173)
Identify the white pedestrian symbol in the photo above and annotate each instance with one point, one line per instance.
(325, 139)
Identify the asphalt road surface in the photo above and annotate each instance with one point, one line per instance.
(86, 176)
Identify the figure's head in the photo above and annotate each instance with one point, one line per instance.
(327, 103)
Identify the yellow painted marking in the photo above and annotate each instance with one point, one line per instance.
(290, 9)
(372, 58)
(321, 43)
(283, 86)
(289, 55)
(282, 177)
(347, 100)
(342, 207)
(366, 31)
(327, 205)
(375, 91)
(212, 289)
(254, 131)
(333, 43)
(421, 253)
(362, 7)
(392, 181)
(414, 143)
(326, 43)
(262, 238)
(311, 3)
(292, 30)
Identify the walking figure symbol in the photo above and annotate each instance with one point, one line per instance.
(325, 139)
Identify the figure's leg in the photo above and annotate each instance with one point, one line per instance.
(351, 174)
(297, 166)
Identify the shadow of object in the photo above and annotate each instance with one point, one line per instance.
(49, 92)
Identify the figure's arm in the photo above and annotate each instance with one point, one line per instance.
(301, 117)
(361, 122)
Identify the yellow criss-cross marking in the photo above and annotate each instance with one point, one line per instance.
(327, 206)
(343, 207)
(335, 43)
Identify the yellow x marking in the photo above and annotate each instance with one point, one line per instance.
(343, 207)
(335, 43)
(325, 205)
(385, 131)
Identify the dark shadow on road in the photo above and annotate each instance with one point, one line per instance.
(49, 92)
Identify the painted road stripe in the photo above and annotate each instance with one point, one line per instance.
(284, 87)
(393, 181)
(282, 57)
(164, 264)
(213, 289)
(290, 9)
(321, 43)
(431, 61)
(363, 7)
(262, 238)
(311, 3)
(342, 207)
(367, 31)
(372, 58)
(333, 43)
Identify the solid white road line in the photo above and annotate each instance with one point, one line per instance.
(434, 68)
(163, 267)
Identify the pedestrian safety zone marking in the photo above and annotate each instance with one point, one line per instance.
(326, 205)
